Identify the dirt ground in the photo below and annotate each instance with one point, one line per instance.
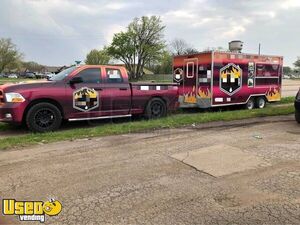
(132, 179)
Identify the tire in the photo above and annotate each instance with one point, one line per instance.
(260, 103)
(250, 104)
(297, 116)
(43, 117)
(156, 108)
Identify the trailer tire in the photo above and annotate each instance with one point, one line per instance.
(297, 116)
(156, 108)
(250, 104)
(43, 117)
(260, 102)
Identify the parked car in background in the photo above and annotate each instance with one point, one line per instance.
(29, 75)
(13, 76)
(1, 75)
(297, 107)
(49, 75)
(40, 75)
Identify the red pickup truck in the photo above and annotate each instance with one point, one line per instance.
(83, 93)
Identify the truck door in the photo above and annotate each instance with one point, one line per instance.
(190, 85)
(89, 98)
(120, 92)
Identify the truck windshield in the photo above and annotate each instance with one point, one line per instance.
(63, 74)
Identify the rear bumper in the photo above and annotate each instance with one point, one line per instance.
(297, 105)
(12, 112)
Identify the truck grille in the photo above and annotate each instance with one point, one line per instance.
(1, 97)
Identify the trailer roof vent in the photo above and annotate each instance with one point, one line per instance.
(236, 46)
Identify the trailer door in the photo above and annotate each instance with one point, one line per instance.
(190, 85)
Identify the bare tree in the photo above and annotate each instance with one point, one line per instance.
(181, 47)
(178, 46)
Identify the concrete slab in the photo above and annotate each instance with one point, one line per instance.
(219, 160)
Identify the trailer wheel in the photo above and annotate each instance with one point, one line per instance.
(43, 117)
(156, 108)
(260, 102)
(250, 104)
(297, 116)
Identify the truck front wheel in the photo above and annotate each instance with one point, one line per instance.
(156, 108)
(43, 117)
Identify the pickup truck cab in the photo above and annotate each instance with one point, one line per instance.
(83, 93)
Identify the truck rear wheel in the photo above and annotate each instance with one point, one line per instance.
(250, 104)
(297, 116)
(43, 117)
(260, 102)
(156, 108)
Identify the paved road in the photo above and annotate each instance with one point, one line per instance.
(132, 179)
(290, 87)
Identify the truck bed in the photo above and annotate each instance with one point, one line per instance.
(142, 92)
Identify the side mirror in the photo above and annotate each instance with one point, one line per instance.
(76, 80)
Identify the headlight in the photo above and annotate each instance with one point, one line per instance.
(14, 97)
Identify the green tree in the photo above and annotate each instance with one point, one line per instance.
(297, 64)
(98, 57)
(141, 44)
(164, 64)
(32, 66)
(9, 54)
(287, 70)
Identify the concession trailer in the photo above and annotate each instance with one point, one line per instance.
(222, 78)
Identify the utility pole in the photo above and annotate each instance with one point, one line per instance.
(259, 47)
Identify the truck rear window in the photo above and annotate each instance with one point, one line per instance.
(114, 76)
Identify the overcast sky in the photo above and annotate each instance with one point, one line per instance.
(58, 32)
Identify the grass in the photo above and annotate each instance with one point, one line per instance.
(11, 80)
(172, 121)
(286, 100)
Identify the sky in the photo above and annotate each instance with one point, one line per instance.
(58, 32)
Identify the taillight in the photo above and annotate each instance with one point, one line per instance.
(1, 98)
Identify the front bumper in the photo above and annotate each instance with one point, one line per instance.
(12, 112)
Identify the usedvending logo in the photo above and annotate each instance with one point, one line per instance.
(31, 210)
(85, 99)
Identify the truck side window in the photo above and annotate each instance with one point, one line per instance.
(92, 75)
(114, 76)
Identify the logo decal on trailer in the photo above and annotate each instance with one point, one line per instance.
(85, 99)
(178, 74)
(230, 79)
